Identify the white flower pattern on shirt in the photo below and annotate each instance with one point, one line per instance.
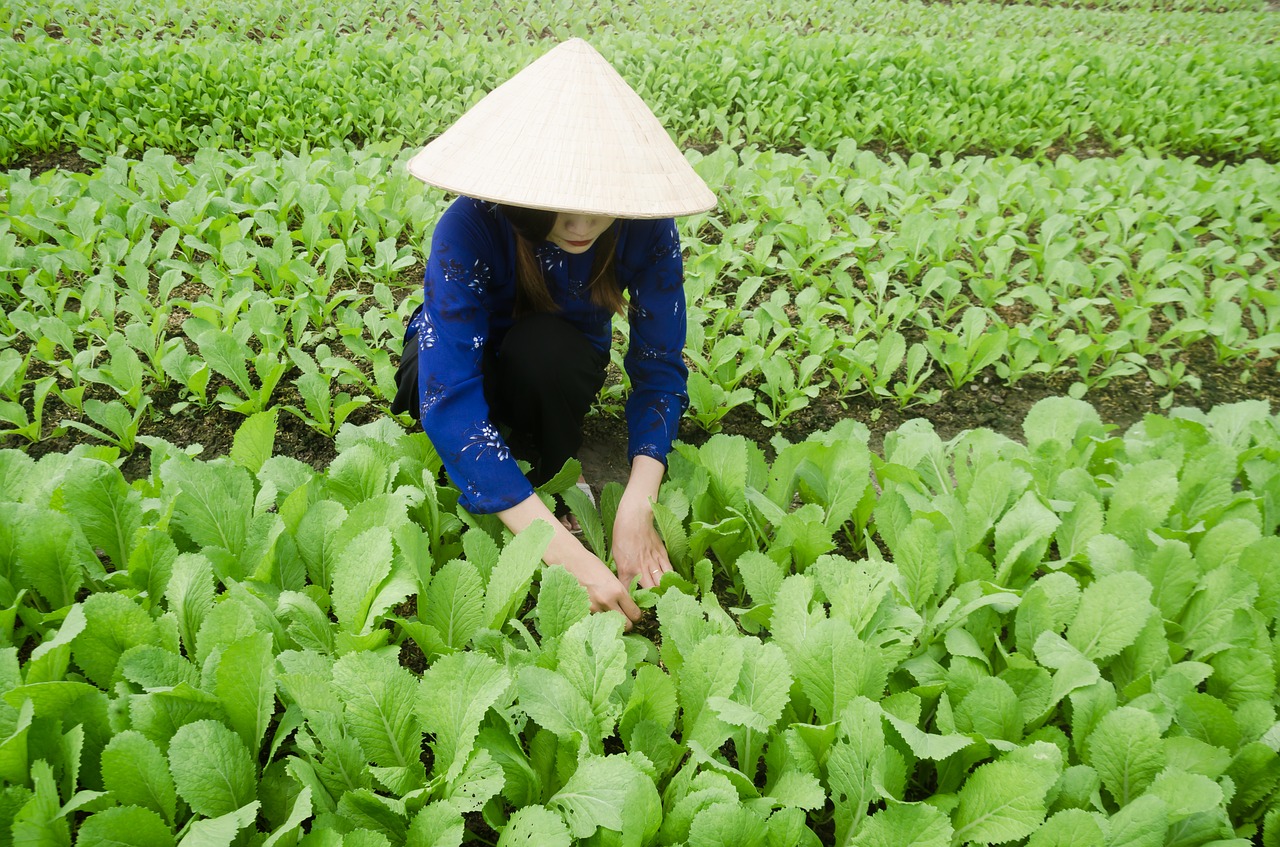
(468, 305)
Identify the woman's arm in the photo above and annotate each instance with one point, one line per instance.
(637, 548)
(607, 592)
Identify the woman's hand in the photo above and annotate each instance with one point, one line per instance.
(604, 589)
(637, 548)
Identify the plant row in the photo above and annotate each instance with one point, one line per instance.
(223, 280)
(984, 92)
(1070, 642)
(514, 22)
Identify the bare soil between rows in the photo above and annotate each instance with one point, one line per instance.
(985, 403)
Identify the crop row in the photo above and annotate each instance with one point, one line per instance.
(1069, 642)
(980, 93)
(847, 275)
(511, 22)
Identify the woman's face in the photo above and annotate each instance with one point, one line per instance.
(576, 233)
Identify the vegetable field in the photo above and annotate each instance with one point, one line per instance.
(974, 518)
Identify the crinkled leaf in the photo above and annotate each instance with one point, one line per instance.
(594, 658)
(455, 693)
(135, 772)
(833, 665)
(105, 508)
(379, 698)
(124, 826)
(1000, 801)
(1125, 749)
(254, 441)
(535, 826)
(438, 824)
(454, 603)
(1047, 605)
(190, 596)
(113, 624)
(245, 682)
(359, 570)
(51, 554)
(212, 769)
(1112, 612)
(511, 577)
(899, 825)
(1069, 828)
(562, 602)
(553, 701)
(597, 793)
(1022, 536)
(214, 502)
(220, 831)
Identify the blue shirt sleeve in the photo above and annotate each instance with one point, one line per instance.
(655, 358)
(452, 330)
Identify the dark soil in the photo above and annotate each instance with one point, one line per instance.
(986, 403)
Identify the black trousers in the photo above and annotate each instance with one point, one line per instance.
(539, 383)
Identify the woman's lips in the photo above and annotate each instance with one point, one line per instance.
(580, 243)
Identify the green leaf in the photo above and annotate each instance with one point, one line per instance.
(928, 745)
(1022, 536)
(535, 826)
(1220, 594)
(1000, 801)
(593, 658)
(135, 772)
(254, 441)
(124, 826)
(455, 693)
(454, 603)
(1186, 794)
(597, 793)
(212, 769)
(798, 790)
(479, 782)
(288, 830)
(761, 575)
(105, 508)
(562, 602)
(438, 824)
(190, 596)
(379, 699)
(51, 554)
(762, 689)
(40, 822)
(1142, 823)
(553, 701)
(1141, 499)
(316, 534)
(1047, 605)
(1069, 828)
(360, 569)
(1125, 749)
(899, 825)
(214, 502)
(728, 825)
(510, 580)
(246, 684)
(220, 831)
(833, 665)
(113, 624)
(1112, 613)
(710, 670)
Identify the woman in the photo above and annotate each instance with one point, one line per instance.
(568, 187)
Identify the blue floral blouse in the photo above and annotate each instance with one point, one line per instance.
(469, 298)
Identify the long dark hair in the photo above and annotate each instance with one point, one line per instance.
(532, 226)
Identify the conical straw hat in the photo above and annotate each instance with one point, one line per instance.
(566, 134)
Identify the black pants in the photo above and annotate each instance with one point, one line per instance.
(539, 383)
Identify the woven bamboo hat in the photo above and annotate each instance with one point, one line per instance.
(566, 134)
